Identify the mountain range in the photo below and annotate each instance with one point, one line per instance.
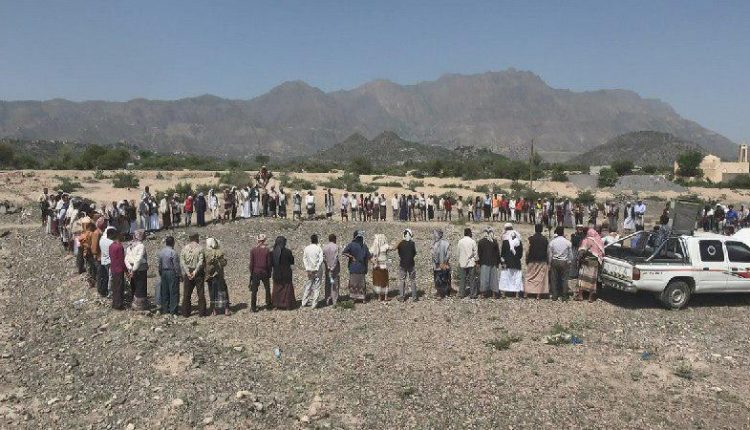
(500, 111)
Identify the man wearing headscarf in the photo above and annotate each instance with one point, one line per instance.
(590, 254)
(312, 259)
(200, 210)
(84, 249)
(260, 271)
(468, 255)
(441, 255)
(169, 273)
(489, 260)
(217, 285)
(213, 205)
(136, 262)
(331, 256)
(282, 261)
(358, 255)
(165, 210)
(511, 252)
(407, 251)
(192, 263)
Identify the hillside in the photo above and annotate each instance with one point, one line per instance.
(385, 149)
(643, 148)
(500, 111)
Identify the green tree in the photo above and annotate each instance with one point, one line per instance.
(262, 159)
(607, 177)
(361, 166)
(688, 164)
(7, 155)
(622, 167)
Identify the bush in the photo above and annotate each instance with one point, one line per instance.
(393, 184)
(124, 180)
(622, 167)
(99, 175)
(295, 183)
(559, 175)
(649, 169)
(361, 166)
(238, 178)
(68, 185)
(607, 178)
(349, 182)
(414, 184)
(585, 197)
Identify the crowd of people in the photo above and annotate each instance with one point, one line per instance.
(108, 244)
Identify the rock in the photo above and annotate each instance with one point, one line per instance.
(177, 402)
(130, 426)
(244, 394)
(208, 420)
(258, 406)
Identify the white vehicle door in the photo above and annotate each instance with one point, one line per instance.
(712, 269)
(738, 255)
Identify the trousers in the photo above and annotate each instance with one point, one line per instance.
(189, 285)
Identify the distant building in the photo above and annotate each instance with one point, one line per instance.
(716, 171)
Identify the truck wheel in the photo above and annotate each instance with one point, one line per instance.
(676, 295)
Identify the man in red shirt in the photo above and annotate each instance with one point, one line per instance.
(117, 269)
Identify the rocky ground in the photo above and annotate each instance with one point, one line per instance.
(68, 361)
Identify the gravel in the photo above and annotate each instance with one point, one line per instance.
(68, 361)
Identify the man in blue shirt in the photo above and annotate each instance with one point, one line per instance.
(358, 255)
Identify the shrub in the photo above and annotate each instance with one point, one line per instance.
(349, 182)
(559, 175)
(585, 197)
(235, 177)
(393, 184)
(361, 166)
(99, 175)
(649, 169)
(607, 178)
(124, 180)
(622, 167)
(504, 342)
(296, 183)
(159, 176)
(414, 184)
(68, 185)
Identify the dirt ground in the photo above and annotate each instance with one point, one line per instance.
(68, 361)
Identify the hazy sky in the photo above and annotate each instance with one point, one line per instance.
(693, 55)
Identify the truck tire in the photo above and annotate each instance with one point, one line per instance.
(676, 295)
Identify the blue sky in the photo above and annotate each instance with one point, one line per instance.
(694, 55)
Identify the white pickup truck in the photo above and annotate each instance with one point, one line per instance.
(680, 267)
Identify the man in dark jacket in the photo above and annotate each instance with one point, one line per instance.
(260, 271)
(200, 210)
(489, 260)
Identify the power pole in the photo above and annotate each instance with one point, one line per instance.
(531, 165)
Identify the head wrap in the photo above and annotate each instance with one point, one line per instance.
(139, 235)
(408, 235)
(489, 233)
(437, 235)
(101, 223)
(513, 238)
(278, 246)
(261, 238)
(379, 244)
(212, 243)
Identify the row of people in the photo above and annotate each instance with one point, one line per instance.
(488, 268)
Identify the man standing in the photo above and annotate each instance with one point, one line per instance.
(313, 262)
(345, 207)
(467, 261)
(441, 257)
(104, 274)
(333, 270)
(192, 261)
(640, 211)
(44, 205)
(328, 203)
(117, 269)
(560, 254)
(260, 271)
(407, 250)
(169, 273)
(489, 260)
(395, 206)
